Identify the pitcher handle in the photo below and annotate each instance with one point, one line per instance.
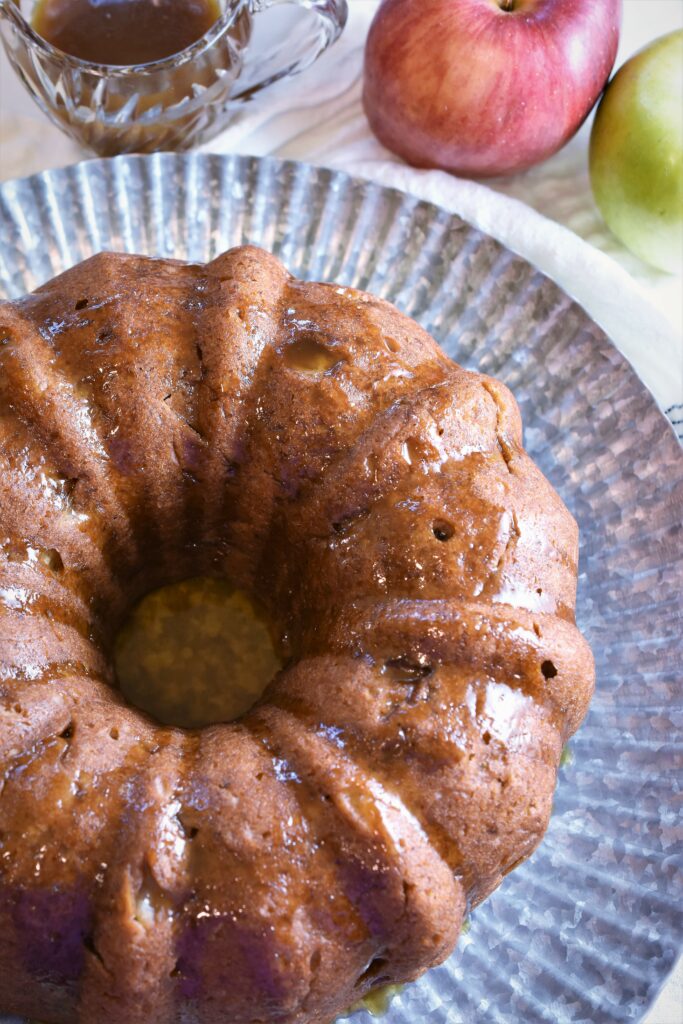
(265, 68)
(6, 8)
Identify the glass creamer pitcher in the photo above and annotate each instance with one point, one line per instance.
(173, 103)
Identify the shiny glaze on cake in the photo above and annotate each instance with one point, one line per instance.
(315, 448)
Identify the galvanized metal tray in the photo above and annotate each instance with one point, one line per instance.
(588, 929)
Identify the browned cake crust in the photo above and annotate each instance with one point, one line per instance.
(314, 446)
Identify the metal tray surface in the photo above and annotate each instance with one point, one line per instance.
(587, 930)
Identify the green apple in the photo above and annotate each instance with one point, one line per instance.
(636, 153)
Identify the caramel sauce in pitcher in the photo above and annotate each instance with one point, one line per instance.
(124, 32)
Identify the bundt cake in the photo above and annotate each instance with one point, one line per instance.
(315, 448)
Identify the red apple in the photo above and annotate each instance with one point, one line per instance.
(484, 87)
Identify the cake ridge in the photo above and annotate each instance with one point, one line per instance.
(312, 445)
(63, 438)
(351, 746)
(349, 800)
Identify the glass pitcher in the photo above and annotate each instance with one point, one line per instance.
(174, 103)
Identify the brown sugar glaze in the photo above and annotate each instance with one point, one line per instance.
(312, 447)
(124, 32)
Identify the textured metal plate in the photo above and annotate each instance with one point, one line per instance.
(587, 930)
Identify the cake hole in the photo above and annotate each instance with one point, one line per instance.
(195, 653)
(61, 486)
(392, 344)
(189, 831)
(443, 530)
(67, 734)
(308, 355)
(373, 970)
(81, 304)
(343, 525)
(548, 669)
(114, 732)
(104, 336)
(89, 943)
(486, 737)
(52, 559)
(407, 670)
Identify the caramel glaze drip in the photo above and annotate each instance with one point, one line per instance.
(158, 421)
(124, 32)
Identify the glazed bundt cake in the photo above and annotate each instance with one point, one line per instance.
(314, 447)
